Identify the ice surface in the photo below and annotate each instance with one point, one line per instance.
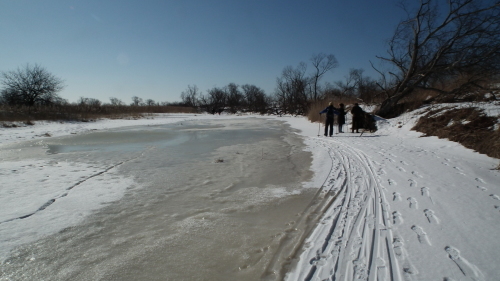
(149, 203)
(351, 221)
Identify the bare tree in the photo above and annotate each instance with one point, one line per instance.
(190, 96)
(214, 101)
(458, 41)
(116, 102)
(291, 91)
(136, 101)
(235, 98)
(256, 98)
(350, 86)
(89, 104)
(150, 102)
(32, 85)
(10, 97)
(322, 63)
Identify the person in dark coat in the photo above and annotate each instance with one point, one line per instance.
(341, 116)
(330, 112)
(357, 118)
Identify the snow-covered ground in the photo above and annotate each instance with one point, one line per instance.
(394, 206)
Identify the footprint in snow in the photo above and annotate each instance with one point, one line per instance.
(413, 203)
(397, 197)
(494, 196)
(425, 191)
(480, 180)
(444, 163)
(458, 169)
(413, 183)
(401, 169)
(497, 207)
(397, 245)
(430, 216)
(416, 174)
(468, 270)
(391, 182)
(397, 218)
(404, 163)
(421, 235)
(482, 188)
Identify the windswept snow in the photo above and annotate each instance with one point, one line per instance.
(394, 205)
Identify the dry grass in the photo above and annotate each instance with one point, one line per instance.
(467, 126)
(78, 113)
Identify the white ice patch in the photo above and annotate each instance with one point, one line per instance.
(41, 197)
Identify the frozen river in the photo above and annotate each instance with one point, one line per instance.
(205, 200)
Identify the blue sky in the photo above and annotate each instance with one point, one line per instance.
(154, 49)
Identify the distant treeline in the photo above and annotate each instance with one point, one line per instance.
(438, 53)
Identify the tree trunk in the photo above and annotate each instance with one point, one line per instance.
(387, 107)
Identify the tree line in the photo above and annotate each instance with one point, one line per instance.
(442, 52)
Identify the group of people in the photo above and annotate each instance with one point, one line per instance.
(331, 111)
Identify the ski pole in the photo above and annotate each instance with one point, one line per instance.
(319, 124)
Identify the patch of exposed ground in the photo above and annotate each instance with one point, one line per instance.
(470, 127)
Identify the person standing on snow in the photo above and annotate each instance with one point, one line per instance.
(341, 116)
(330, 111)
(357, 118)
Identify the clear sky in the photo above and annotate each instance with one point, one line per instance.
(154, 49)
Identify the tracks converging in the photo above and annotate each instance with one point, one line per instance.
(353, 240)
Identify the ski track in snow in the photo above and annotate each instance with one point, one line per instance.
(358, 237)
(355, 241)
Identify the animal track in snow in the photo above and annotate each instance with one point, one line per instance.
(421, 235)
(401, 169)
(397, 218)
(444, 163)
(467, 269)
(382, 172)
(430, 216)
(413, 203)
(482, 188)
(397, 197)
(494, 196)
(404, 163)
(391, 182)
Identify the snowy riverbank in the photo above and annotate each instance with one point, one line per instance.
(396, 206)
